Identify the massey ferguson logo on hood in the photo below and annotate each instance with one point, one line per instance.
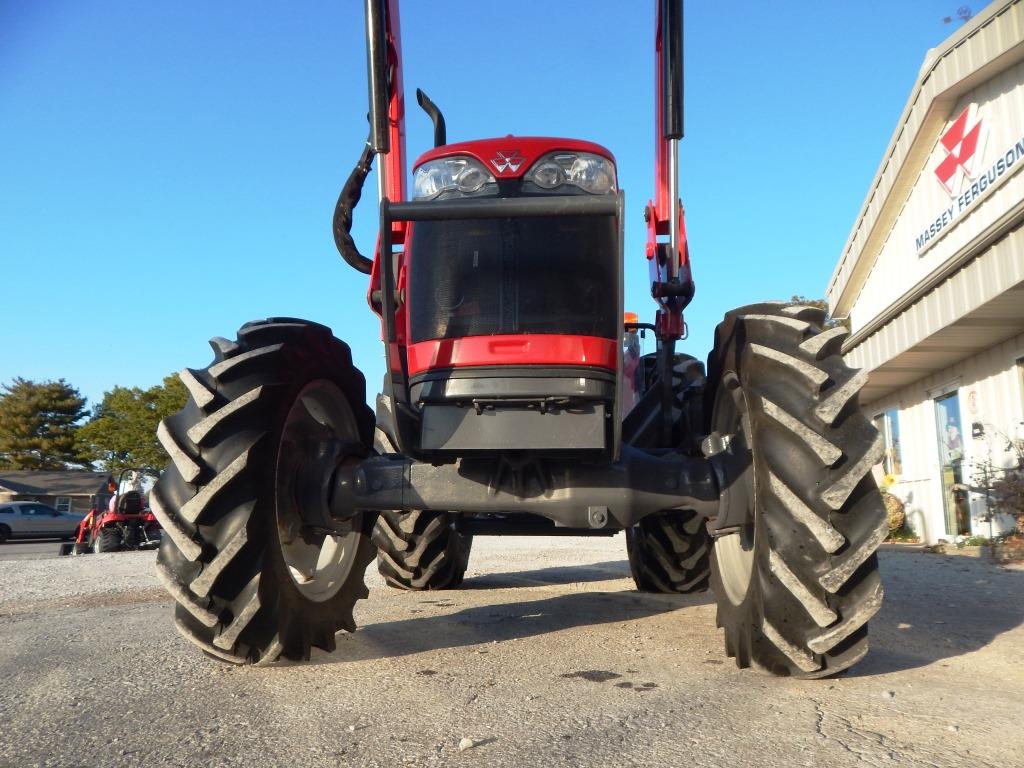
(507, 161)
(962, 143)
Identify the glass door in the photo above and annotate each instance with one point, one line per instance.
(956, 504)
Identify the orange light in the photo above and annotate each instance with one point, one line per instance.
(630, 317)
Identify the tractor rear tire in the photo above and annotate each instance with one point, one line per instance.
(252, 582)
(670, 552)
(421, 550)
(107, 540)
(796, 586)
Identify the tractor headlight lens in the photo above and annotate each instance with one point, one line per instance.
(471, 178)
(450, 177)
(591, 173)
(548, 175)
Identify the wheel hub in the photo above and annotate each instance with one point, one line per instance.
(319, 433)
(736, 529)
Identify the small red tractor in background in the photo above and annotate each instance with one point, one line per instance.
(119, 520)
(511, 407)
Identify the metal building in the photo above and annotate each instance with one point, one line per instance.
(932, 280)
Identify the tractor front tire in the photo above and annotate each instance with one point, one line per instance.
(670, 552)
(253, 582)
(420, 550)
(797, 583)
(107, 540)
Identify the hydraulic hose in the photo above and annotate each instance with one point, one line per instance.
(347, 201)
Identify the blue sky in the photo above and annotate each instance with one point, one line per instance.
(169, 169)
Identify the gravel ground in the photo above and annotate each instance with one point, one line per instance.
(547, 656)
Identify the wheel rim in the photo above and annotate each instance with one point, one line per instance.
(735, 551)
(319, 421)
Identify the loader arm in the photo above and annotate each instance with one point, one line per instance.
(671, 281)
(387, 126)
(387, 97)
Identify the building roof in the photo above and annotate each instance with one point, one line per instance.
(62, 483)
(989, 43)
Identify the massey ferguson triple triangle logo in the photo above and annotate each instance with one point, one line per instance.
(507, 161)
(962, 143)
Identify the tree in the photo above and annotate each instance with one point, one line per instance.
(122, 431)
(830, 322)
(1000, 476)
(38, 422)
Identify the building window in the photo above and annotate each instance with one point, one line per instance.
(63, 504)
(888, 425)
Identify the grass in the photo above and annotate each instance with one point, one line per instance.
(904, 536)
(973, 541)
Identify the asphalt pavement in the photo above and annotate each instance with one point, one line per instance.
(29, 549)
(547, 656)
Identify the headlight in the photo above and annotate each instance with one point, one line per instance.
(591, 173)
(450, 176)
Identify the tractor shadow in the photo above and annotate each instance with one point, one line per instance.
(503, 621)
(554, 576)
(938, 607)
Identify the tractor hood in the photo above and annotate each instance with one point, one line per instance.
(511, 157)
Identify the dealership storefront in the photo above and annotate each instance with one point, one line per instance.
(932, 281)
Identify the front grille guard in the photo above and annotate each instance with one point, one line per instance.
(397, 382)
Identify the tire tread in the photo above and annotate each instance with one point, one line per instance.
(420, 550)
(216, 557)
(821, 516)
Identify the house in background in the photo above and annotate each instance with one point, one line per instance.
(932, 280)
(67, 491)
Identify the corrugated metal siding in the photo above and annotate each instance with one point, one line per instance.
(1001, 106)
(994, 33)
(998, 270)
(990, 380)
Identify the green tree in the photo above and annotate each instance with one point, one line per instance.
(830, 322)
(122, 431)
(38, 422)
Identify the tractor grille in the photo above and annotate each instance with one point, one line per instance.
(502, 276)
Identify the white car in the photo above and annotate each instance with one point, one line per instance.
(32, 520)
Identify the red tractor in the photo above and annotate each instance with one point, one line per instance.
(118, 520)
(498, 282)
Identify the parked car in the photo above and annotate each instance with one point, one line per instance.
(32, 520)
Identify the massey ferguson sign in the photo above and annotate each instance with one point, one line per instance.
(962, 145)
(962, 174)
